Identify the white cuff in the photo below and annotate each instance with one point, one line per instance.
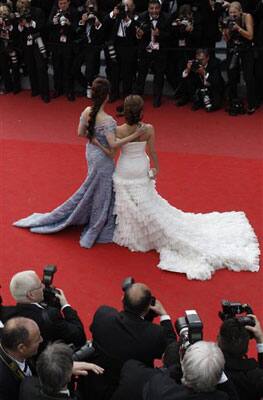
(185, 74)
(111, 15)
(165, 317)
(66, 305)
(98, 27)
(260, 347)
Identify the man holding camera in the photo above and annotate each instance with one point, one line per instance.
(152, 34)
(246, 373)
(120, 336)
(121, 49)
(60, 323)
(62, 24)
(202, 82)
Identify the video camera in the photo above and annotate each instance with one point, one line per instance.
(50, 298)
(126, 284)
(232, 310)
(189, 328)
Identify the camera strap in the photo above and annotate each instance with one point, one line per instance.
(12, 365)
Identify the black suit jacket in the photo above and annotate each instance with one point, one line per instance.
(9, 385)
(162, 387)
(120, 336)
(162, 25)
(30, 390)
(53, 324)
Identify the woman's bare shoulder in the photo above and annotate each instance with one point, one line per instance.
(120, 131)
(86, 112)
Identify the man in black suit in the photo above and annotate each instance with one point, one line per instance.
(19, 342)
(202, 82)
(152, 34)
(120, 336)
(54, 324)
(203, 377)
(246, 373)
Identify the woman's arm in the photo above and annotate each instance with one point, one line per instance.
(247, 33)
(114, 143)
(152, 151)
(82, 128)
(109, 152)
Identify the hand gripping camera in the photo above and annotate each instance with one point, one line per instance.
(126, 284)
(189, 328)
(50, 291)
(232, 310)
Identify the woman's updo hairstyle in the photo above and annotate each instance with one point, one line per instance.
(99, 91)
(133, 106)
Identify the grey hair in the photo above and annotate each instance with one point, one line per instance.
(21, 283)
(54, 367)
(202, 366)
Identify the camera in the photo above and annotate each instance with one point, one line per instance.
(40, 44)
(189, 328)
(204, 95)
(24, 15)
(84, 353)
(195, 65)
(50, 291)
(229, 23)
(231, 310)
(181, 24)
(126, 284)
(62, 18)
(111, 51)
(91, 15)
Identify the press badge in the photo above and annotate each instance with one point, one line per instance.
(63, 39)
(29, 41)
(182, 43)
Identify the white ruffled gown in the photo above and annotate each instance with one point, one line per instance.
(194, 244)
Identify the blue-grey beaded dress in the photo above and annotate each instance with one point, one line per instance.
(91, 205)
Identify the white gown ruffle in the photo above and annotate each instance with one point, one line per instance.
(194, 244)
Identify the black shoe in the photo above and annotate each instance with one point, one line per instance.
(46, 99)
(251, 110)
(34, 93)
(195, 106)
(71, 97)
(56, 94)
(157, 102)
(17, 90)
(181, 102)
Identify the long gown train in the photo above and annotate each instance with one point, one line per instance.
(91, 205)
(194, 244)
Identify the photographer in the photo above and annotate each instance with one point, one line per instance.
(62, 24)
(152, 33)
(238, 33)
(186, 33)
(121, 49)
(89, 42)
(30, 24)
(246, 373)
(9, 62)
(202, 81)
(203, 377)
(54, 369)
(54, 324)
(120, 336)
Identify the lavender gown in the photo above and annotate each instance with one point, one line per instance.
(91, 205)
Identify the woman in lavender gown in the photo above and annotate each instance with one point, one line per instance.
(92, 204)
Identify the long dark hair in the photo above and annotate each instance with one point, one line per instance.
(133, 106)
(99, 92)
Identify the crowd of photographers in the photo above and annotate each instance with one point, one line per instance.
(173, 39)
(45, 355)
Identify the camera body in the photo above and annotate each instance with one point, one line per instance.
(195, 65)
(50, 291)
(233, 309)
(84, 353)
(91, 18)
(126, 284)
(229, 23)
(181, 24)
(62, 17)
(189, 328)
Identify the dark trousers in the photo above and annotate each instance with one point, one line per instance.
(89, 55)
(157, 61)
(245, 60)
(62, 59)
(9, 68)
(37, 70)
(177, 59)
(259, 74)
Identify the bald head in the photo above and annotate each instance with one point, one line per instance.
(21, 336)
(137, 298)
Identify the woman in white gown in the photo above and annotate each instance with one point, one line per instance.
(194, 244)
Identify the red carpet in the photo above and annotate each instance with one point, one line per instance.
(208, 162)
